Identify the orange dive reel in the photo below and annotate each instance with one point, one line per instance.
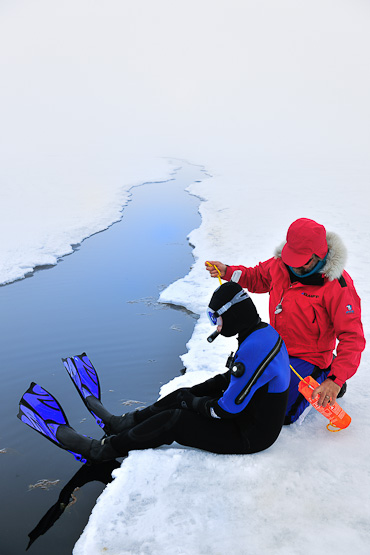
(339, 419)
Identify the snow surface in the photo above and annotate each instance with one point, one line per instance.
(272, 98)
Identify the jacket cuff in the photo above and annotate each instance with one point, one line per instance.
(336, 380)
(229, 272)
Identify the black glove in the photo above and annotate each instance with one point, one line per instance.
(188, 401)
(185, 400)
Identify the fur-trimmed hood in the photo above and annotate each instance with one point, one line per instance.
(337, 256)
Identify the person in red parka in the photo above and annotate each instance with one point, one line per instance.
(313, 305)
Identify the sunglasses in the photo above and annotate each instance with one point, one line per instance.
(310, 260)
(307, 263)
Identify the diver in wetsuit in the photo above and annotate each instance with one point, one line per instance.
(239, 411)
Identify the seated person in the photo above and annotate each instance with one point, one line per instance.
(240, 411)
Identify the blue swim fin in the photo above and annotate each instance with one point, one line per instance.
(42, 412)
(85, 378)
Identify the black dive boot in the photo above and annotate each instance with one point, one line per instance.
(112, 424)
(93, 450)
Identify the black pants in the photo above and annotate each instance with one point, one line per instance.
(164, 423)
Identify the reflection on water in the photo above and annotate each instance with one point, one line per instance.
(101, 300)
(85, 474)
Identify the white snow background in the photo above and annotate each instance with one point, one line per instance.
(272, 98)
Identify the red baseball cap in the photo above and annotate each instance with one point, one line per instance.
(304, 238)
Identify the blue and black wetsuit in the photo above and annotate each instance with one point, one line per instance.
(239, 411)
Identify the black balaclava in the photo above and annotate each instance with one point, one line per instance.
(240, 317)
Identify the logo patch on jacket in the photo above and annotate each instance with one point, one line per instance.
(308, 295)
(349, 309)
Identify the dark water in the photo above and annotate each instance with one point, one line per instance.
(102, 300)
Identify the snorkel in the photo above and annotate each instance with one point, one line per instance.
(213, 336)
(216, 333)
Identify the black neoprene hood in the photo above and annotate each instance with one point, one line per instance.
(224, 294)
(238, 317)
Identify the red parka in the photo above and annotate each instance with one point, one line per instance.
(313, 317)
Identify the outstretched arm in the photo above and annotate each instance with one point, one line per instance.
(210, 267)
